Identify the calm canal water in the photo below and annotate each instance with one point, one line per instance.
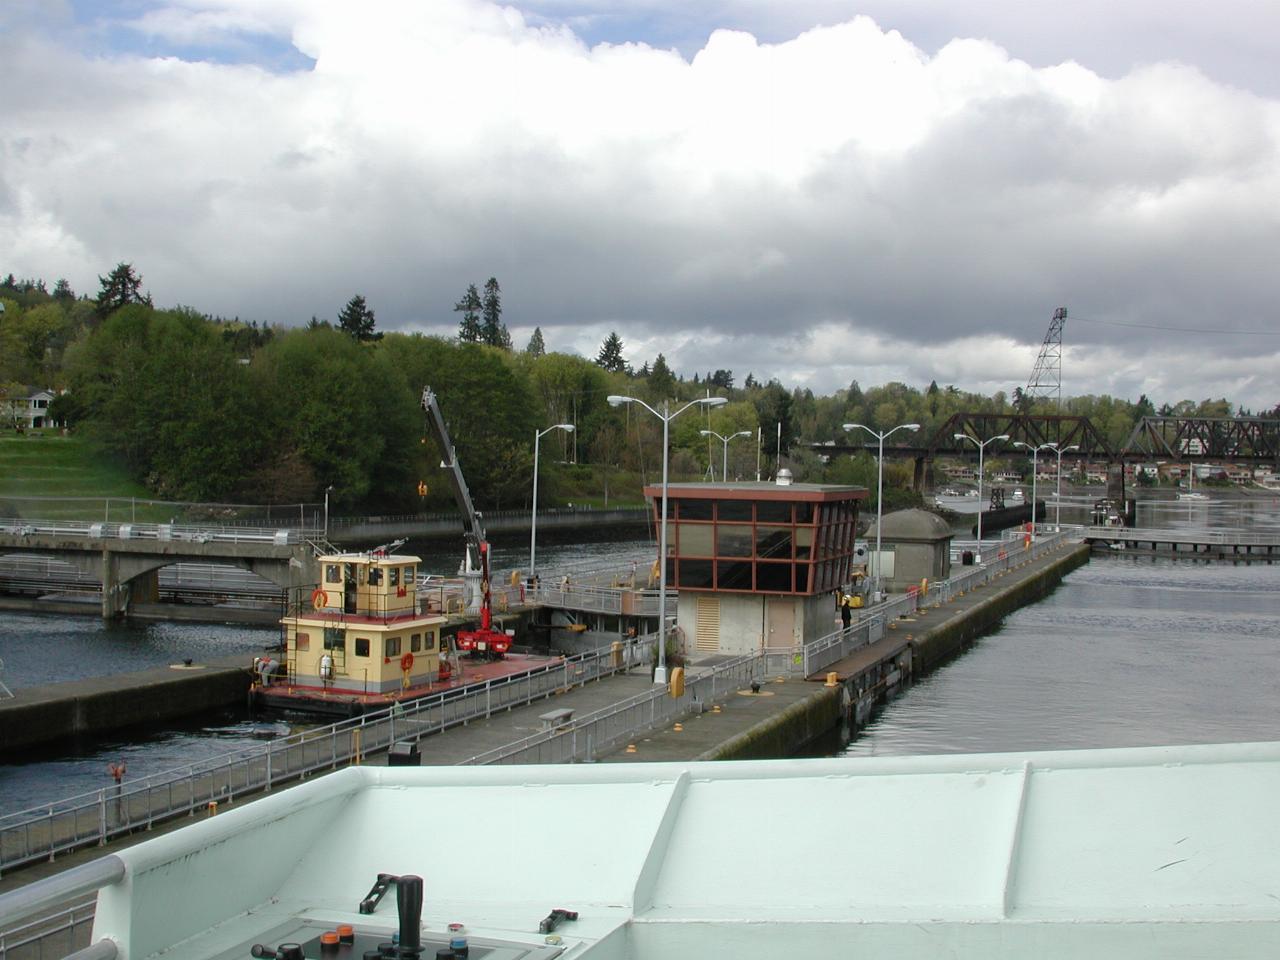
(1126, 651)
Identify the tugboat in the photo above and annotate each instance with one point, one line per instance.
(363, 639)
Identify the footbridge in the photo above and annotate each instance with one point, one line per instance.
(126, 557)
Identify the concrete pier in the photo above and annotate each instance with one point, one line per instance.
(59, 711)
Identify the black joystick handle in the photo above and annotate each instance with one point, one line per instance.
(409, 906)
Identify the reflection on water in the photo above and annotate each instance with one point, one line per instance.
(1126, 652)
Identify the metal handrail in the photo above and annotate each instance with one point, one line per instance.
(93, 817)
(41, 832)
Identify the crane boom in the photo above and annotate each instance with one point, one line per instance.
(474, 526)
(484, 640)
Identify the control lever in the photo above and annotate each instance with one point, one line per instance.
(555, 918)
(377, 892)
(409, 906)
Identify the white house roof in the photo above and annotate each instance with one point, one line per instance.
(1154, 852)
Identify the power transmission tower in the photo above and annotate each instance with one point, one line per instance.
(1046, 377)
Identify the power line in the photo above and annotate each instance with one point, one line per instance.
(1156, 326)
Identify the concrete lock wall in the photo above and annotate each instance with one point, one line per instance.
(940, 644)
(102, 704)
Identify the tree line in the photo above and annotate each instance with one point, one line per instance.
(208, 408)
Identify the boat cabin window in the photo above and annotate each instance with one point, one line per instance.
(393, 576)
(334, 639)
(430, 645)
(303, 641)
(375, 576)
(332, 573)
(362, 646)
(415, 643)
(393, 647)
(408, 576)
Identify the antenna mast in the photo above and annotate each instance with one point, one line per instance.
(1046, 378)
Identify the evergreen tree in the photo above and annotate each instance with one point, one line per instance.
(536, 347)
(611, 354)
(492, 330)
(750, 383)
(356, 320)
(469, 307)
(662, 381)
(120, 288)
(62, 291)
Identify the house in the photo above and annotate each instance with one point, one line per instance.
(28, 409)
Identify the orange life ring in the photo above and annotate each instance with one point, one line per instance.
(406, 662)
(319, 598)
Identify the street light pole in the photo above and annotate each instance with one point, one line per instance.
(533, 518)
(326, 511)
(880, 479)
(660, 674)
(982, 446)
(1034, 470)
(724, 462)
(1057, 503)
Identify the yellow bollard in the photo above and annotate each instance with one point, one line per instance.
(678, 728)
(675, 686)
(833, 679)
(715, 708)
(213, 807)
(631, 748)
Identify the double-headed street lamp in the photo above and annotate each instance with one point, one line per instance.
(1057, 503)
(533, 520)
(880, 480)
(1034, 451)
(660, 675)
(982, 446)
(724, 463)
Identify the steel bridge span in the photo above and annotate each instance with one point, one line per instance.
(1186, 439)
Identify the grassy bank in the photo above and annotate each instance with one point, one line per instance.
(44, 475)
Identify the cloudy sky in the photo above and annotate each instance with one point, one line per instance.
(812, 190)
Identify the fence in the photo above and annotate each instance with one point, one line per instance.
(600, 732)
(93, 818)
(42, 832)
(52, 937)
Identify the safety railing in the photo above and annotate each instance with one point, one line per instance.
(101, 530)
(52, 828)
(590, 598)
(585, 738)
(1213, 538)
(51, 937)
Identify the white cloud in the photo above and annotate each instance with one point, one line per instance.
(843, 204)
